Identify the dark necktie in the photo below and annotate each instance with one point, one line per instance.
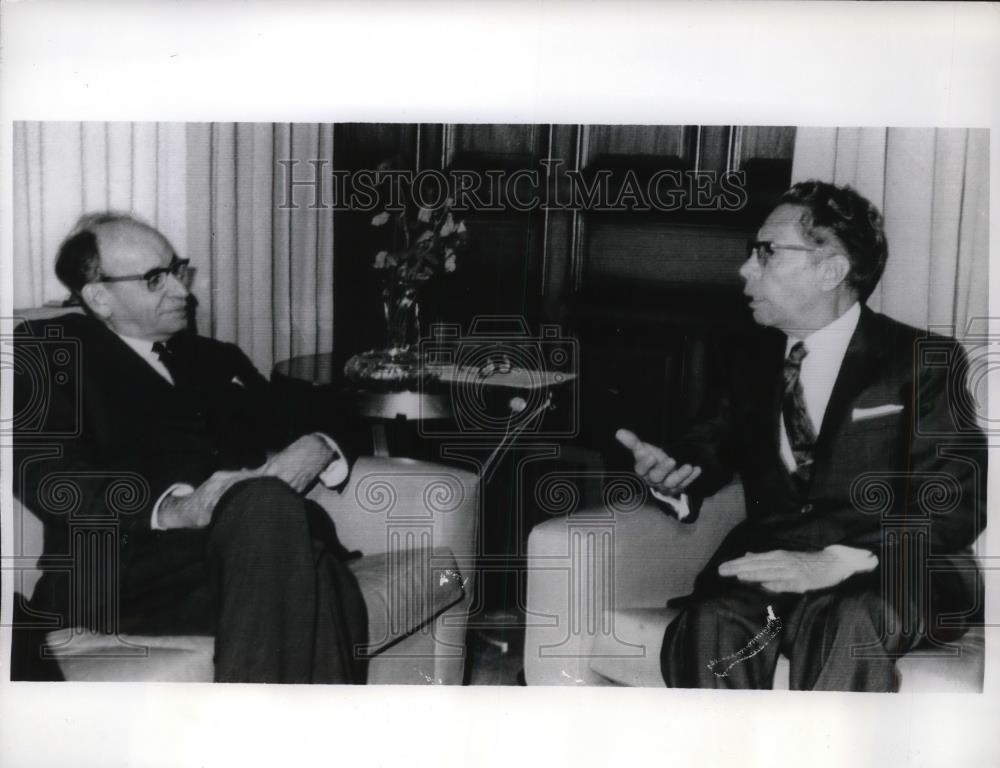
(175, 363)
(798, 425)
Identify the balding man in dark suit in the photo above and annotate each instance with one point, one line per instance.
(174, 440)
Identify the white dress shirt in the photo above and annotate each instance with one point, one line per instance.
(144, 349)
(825, 354)
(825, 350)
(332, 476)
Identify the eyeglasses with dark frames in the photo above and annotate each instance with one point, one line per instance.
(763, 250)
(156, 278)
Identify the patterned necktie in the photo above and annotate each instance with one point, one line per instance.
(175, 365)
(798, 425)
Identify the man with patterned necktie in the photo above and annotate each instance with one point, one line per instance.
(221, 540)
(829, 407)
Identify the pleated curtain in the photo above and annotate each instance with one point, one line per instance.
(266, 277)
(932, 185)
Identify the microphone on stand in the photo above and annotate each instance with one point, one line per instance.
(517, 405)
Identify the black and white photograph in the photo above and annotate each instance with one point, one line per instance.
(395, 405)
(554, 387)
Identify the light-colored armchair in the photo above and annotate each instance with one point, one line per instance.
(416, 524)
(598, 585)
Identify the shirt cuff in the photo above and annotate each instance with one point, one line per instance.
(338, 469)
(177, 489)
(679, 504)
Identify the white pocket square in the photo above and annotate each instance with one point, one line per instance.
(861, 414)
(238, 382)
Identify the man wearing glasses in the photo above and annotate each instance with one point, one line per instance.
(219, 539)
(836, 424)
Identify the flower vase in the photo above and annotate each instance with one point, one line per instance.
(402, 318)
(399, 366)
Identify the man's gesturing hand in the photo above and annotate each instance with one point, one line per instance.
(784, 571)
(195, 509)
(655, 467)
(300, 463)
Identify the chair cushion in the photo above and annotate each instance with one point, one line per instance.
(90, 656)
(628, 651)
(402, 591)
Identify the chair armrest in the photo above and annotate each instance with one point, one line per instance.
(579, 569)
(393, 503)
(583, 568)
(410, 509)
(404, 591)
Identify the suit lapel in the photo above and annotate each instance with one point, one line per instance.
(859, 368)
(773, 365)
(129, 366)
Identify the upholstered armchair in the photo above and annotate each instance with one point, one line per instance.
(598, 585)
(416, 525)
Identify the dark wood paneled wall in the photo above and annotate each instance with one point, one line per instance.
(643, 292)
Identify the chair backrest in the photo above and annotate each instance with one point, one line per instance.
(46, 312)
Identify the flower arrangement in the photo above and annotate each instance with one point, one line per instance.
(422, 244)
(431, 241)
(422, 247)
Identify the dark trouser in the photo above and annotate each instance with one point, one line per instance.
(267, 578)
(841, 639)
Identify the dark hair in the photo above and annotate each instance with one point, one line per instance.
(79, 259)
(840, 212)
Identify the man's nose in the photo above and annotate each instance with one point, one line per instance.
(176, 286)
(750, 268)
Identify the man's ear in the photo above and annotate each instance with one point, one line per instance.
(835, 270)
(95, 295)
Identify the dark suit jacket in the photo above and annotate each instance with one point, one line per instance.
(100, 436)
(908, 485)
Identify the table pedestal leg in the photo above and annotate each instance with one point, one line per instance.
(380, 442)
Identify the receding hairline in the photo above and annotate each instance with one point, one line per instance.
(112, 234)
